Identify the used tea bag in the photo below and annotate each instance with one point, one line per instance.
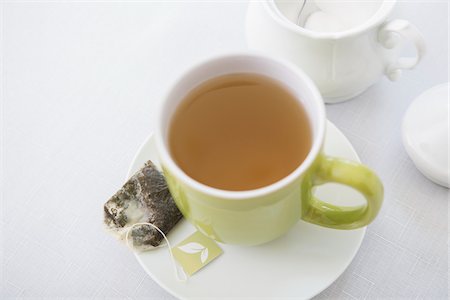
(144, 198)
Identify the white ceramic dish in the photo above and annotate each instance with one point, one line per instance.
(425, 133)
(299, 265)
(342, 64)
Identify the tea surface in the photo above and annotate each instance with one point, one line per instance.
(239, 132)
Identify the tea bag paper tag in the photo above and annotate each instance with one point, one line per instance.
(195, 252)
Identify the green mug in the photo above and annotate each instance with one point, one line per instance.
(257, 216)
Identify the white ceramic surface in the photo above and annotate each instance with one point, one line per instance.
(342, 64)
(425, 133)
(335, 16)
(353, 12)
(300, 264)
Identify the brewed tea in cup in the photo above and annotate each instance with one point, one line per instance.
(240, 142)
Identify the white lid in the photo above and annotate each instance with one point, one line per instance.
(426, 133)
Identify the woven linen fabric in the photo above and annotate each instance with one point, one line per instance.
(80, 85)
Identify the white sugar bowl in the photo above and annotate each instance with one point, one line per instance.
(342, 63)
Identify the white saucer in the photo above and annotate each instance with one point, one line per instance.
(425, 133)
(299, 265)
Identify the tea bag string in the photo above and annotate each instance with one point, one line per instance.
(175, 268)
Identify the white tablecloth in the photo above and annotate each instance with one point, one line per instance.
(80, 82)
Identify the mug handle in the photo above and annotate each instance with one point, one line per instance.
(354, 175)
(388, 37)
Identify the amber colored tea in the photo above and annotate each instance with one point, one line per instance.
(239, 132)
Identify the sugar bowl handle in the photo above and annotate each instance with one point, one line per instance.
(390, 36)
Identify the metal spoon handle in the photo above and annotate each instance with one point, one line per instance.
(300, 12)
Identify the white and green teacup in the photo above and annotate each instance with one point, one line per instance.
(257, 216)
